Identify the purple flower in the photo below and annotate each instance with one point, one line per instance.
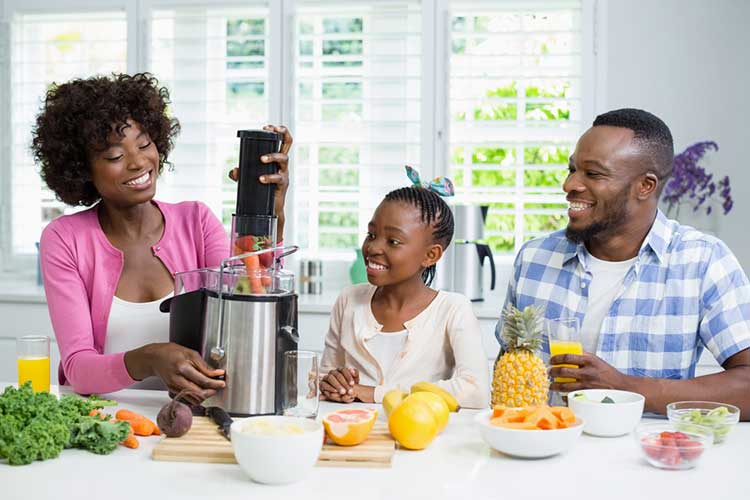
(691, 184)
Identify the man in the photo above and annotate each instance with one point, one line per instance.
(649, 293)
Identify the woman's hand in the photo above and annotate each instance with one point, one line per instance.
(281, 179)
(179, 367)
(339, 384)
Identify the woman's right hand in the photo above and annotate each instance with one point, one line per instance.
(179, 367)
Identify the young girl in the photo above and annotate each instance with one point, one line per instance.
(395, 331)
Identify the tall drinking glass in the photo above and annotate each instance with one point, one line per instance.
(564, 338)
(300, 384)
(33, 361)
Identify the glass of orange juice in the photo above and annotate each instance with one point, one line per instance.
(564, 338)
(33, 361)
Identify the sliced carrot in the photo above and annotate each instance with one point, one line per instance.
(517, 425)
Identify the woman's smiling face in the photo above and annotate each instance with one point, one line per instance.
(125, 173)
(397, 244)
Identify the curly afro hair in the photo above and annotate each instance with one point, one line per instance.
(79, 116)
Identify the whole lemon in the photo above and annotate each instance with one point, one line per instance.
(413, 424)
(437, 405)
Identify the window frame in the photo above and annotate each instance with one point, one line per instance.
(435, 67)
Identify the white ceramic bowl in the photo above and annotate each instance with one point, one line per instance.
(607, 419)
(277, 458)
(527, 443)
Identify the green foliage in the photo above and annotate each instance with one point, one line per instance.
(496, 112)
(338, 177)
(548, 111)
(338, 154)
(246, 27)
(36, 426)
(342, 90)
(342, 25)
(545, 178)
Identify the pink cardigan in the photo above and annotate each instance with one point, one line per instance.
(81, 270)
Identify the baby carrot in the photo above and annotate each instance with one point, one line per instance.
(141, 425)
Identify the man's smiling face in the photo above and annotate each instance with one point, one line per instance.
(600, 184)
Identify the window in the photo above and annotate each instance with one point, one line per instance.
(214, 60)
(357, 114)
(515, 113)
(47, 48)
(490, 92)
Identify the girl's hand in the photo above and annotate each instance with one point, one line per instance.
(338, 385)
(281, 178)
(179, 367)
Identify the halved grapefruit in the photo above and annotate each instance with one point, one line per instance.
(349, 427)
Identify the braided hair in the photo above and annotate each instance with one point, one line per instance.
(434, 212)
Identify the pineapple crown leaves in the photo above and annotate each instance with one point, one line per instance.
(523, 330)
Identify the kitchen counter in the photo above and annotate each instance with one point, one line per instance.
(458, 464)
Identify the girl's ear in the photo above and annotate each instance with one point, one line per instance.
(434, 252)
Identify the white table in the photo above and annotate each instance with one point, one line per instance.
(458, 464)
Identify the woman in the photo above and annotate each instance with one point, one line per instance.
(102, 142)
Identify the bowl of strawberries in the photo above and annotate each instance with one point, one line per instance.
(664, 446)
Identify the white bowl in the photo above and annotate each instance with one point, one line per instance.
(527, 443)
(277, 458)
(607, 419)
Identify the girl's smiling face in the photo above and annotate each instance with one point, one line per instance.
(398, 245)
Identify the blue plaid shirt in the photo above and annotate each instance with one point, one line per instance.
(685, 291)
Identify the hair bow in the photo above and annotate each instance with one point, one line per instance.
(441, 185)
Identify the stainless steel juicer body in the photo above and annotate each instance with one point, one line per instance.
(244, 334)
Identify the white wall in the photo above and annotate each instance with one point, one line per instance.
(688, 62)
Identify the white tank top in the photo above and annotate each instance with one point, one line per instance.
(135, 324)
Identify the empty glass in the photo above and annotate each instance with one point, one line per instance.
(300, 384)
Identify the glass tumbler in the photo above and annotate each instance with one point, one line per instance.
(32, 354)
(300, 384)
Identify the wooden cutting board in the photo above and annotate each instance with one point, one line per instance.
(204, 443)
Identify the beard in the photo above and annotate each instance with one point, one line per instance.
(616, 216)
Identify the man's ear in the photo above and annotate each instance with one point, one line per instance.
(434, 252)
(648, 185)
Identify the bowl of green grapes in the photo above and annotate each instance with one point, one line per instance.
(719, 417)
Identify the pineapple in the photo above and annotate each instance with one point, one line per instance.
(520, 376)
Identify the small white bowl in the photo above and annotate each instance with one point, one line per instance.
(527, 443)
(277, 458)
(608, 419)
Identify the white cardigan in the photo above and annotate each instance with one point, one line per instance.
(443, 346)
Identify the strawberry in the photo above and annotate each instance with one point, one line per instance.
(680, 436)
(266, 259)
(670, 456)
(690, 450)
(667, 435)
(652, 447)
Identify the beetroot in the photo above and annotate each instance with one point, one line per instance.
(175, 418)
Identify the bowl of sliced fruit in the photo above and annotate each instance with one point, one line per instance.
(607, 412)
(719, 417)
(665, 446)
(529, 432)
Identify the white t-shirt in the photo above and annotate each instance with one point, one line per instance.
(386, 347)
(135, 324)
(606, 281)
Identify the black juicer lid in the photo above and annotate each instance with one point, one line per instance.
(259, 135)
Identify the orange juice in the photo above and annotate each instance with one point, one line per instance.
(565, 347)
(36, 370)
